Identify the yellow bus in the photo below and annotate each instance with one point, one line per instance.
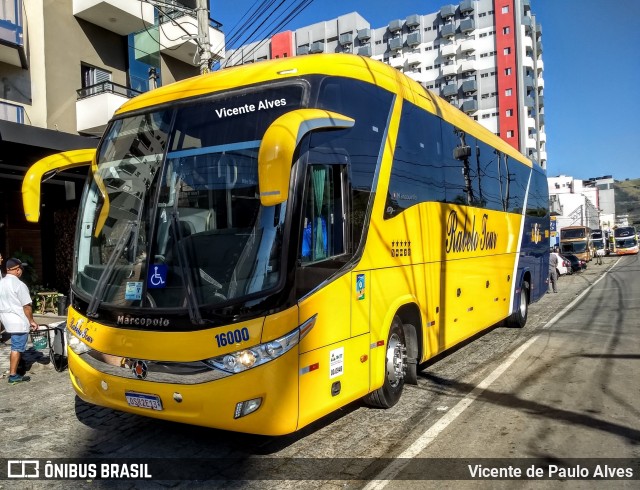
(576, 240)
(259, 246)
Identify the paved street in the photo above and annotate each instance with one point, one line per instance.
(44, 418)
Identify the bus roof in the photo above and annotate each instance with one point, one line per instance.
(346, 65)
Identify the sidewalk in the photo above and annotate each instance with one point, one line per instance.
(35, 359)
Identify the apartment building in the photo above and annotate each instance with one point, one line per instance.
(65, 67)
(483, 56)
(573, 202)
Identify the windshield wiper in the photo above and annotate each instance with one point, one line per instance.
(192, 301)
(101, 286)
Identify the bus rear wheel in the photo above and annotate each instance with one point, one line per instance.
(395, 369)
(519, 317)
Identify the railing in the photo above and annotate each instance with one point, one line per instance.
(107, 87)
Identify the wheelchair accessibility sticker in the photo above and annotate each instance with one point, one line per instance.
(157, 276)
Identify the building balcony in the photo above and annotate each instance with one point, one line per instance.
(120, 16)
(543, 137)
(448, 30)
(540, 65)
(543, 156)
(469, 106)
(467, 26)
(468, 46)
(302, 50)
(397, 63)
(365, 50)
(528, 82)
(395, 25)
(414, 59)
(530, 123)
(414, 38)
(449, 90)
(541, 100)
(396, 43)
(364, 34)
(97, 103)
(466, 7)
(11, 112)
(448, 50)
(316, 47)
(12, 43)
(447, 11)
(530, 142)
(540, 82)
(178, 34)
(468, 66)
(346, 39)
(527, 62)
(469, 86)
(449, 70)
(413, 21)
(528, 43)
(529, 102)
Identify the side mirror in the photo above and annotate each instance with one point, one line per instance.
(275, 156)
(49, 165)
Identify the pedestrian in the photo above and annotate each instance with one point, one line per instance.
(599, 255)
(16, 314)
(553, 274)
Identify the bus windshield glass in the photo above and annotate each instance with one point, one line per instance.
(574, 247)
(172, 217)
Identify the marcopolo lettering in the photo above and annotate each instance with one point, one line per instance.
(142, 321)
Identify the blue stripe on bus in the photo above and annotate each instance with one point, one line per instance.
(243, 145)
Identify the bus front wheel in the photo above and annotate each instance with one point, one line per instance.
(395, 369)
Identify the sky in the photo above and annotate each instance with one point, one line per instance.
(591, 53)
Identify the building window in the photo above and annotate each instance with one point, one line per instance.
(506, 30)
(507, 71)
(510, 134)
(95, 80)
(505, 9)
(507, 92)
(509, 112)
(507, 51)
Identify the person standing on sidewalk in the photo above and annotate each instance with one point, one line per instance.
(553, 274)
(16, 315)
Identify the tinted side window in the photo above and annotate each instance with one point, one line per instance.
(538, 201)
(360, 145)
(436, 161)
(417, 174)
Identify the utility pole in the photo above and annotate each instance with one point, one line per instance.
(202, 16)
(202, 9)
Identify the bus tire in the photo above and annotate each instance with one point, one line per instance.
(519, 317)
(395, 368)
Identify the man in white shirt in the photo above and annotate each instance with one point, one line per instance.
(16, 315)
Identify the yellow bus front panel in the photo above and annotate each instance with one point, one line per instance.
(210, 404)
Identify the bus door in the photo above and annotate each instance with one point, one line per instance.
(334, 365)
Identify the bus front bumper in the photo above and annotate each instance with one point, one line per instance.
(211, 404)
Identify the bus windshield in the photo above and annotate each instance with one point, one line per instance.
(172, 217)
(574, 247)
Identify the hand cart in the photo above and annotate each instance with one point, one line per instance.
(52, 337)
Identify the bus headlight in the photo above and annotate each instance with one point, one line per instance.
(75, 344)
(242, 360)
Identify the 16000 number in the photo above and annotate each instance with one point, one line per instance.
(232, 337)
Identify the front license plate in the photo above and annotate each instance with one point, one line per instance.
(142, 400)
